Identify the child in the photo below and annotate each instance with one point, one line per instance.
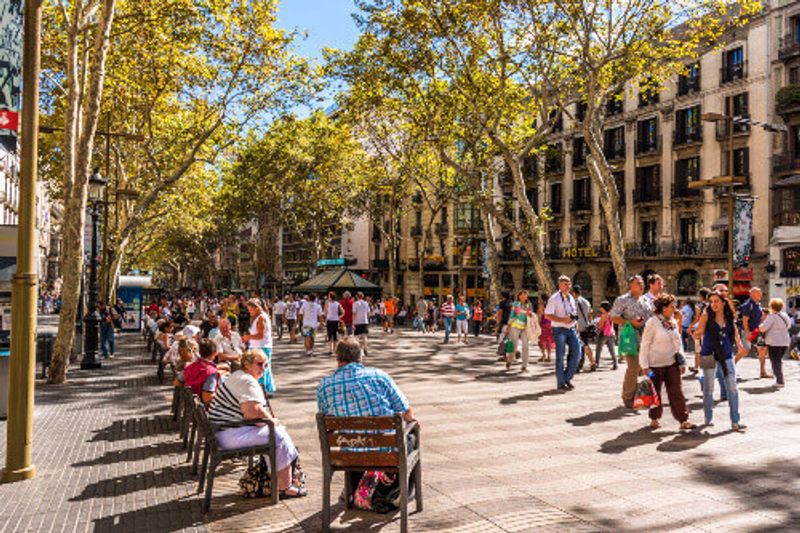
(605, 334)
(546, 341)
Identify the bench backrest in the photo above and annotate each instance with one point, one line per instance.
(343, 439)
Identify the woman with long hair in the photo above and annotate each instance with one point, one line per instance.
(259, 337)
(719, 341)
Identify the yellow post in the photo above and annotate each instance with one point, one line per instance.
(19, 432)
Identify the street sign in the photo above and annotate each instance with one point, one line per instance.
(339, 261)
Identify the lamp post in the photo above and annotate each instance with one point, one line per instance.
(92, 319)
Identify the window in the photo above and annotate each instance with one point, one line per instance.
(580, 113)
(689, 232)
(619, 179)
(582, 195)
(615, 104)
(690, 81)
(556, 121)
(582, 236)
(533, 197)
(529, 168)
(687, 126)
(686, 170)
(794, 75)
(741, 161)
(554, 160)
(555, 197)
(796, 29)
(579, 152)
(467, 218)
(554, 239)
(648, 94)
(732, 65)
(614, 143)
(647, 136)
(648, 184)
(736, 106)
(795, 132)
(649, 235)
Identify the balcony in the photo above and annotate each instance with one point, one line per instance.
(578, 159)
(554, 165)
(642, 249)
(416, 231)
(553, 252)
(738, 128)
(731, 73)
(647, 196)
(508, 255)
(379, 264)
(682, 192)
(789, 47)
(580, 205)
(442, 228)
(687, 136)
(786, 218)
(699, 247)
(785, 163)
(614, 152)
(648, 146)
(688, 85)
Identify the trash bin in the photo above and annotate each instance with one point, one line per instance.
(44, 349)
(4, 362)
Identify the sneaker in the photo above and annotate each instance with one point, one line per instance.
(738, 427)
(569, 385)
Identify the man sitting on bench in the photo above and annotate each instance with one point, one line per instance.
(357, 390)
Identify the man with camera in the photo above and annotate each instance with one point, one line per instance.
(561, 310)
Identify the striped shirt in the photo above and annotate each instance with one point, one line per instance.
(226, 407)
(448, 310)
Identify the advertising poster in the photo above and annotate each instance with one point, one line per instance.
(742, 230)
(10, 71)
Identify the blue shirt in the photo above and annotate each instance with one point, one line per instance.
(461, 311)
(356, 390)
(726, 338)
(752, 311)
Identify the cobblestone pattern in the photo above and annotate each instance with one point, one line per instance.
(501, 451)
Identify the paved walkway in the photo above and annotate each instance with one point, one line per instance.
(501, 452)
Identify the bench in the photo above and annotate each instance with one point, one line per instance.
(337, 434)
(213, 455)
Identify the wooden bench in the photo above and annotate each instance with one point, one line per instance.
(338, 434)
(213, 455)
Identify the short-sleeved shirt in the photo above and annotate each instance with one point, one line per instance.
(391, 307)
(584, 311)
(279, 307)
(239, 388)
(347, 306)
(291, 310)
(462, 311)
(630, 308)
(360, 313)
(752, 310)
(310, 311)
(332, 314)
(505, 311)
(563, 307)
(357, 390)
(448, 310)
(687, 315)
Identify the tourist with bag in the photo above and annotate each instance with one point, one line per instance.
(719, 340)
(660, 357)
(776, 336)
(631, 311)
(521, 313)
(605, 335)
(587, 331)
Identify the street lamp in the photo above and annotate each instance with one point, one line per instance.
(90, 360)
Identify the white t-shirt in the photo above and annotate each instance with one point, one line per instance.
(266, 341)
(279, 307)
(360, 312)
(333, 310)
(291, 310)
(310, 311)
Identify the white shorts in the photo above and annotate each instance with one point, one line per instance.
(462, 326)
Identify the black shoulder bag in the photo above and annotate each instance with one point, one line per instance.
(716, 345)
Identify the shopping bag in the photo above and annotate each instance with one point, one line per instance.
(646, 397)
(509, 346)
(628, 345)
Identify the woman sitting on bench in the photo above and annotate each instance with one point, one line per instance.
(241, 397)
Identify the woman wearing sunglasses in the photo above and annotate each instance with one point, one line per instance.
(240, 398)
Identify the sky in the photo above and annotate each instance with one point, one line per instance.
(327, 22)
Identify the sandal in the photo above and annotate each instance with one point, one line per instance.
(655, 424)
(687, 425)
(298, 492)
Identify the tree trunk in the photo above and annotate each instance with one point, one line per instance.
(491, 255)
(603, 177)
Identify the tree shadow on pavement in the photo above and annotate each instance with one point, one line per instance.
(135, 428)
(771, 486)
(535, 397)
(138, 453)
(631, 439)
(616, 413)
(163, 517)
(130, 483)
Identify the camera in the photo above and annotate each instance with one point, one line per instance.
(573, 317)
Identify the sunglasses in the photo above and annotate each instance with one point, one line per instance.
(260, 364)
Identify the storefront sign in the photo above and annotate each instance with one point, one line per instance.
(588, 251)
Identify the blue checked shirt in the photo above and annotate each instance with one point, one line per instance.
(356, 390)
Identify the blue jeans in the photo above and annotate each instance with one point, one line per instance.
(107, 339)
(563, 337)
(723, 389)
(733, 393)
(448, 325)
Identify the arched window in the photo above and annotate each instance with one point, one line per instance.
(688, 282)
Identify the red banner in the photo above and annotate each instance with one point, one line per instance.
(9, 120)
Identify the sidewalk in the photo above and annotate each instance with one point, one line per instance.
(500, 452)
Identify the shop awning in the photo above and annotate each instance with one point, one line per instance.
(787, 181)
(338, 280)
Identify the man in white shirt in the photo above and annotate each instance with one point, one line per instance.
(278, 309)
(229, 344)
(290, 314)
(361, 313)
(309, 315)
(561, 310)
